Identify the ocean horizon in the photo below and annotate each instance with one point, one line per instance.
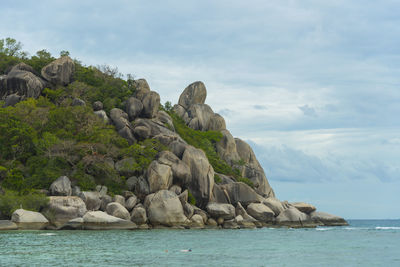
(362, 243)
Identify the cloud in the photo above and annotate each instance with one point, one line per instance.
(308, 111)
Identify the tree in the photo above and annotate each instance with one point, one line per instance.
(10, 47)
(64, 53)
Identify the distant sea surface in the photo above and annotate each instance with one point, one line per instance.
(363, 243)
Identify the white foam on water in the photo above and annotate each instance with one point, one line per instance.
(323, 229)
(387, 228)
(48, 234)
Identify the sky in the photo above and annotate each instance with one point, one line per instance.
(313, 86)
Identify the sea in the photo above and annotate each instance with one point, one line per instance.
(362, 243)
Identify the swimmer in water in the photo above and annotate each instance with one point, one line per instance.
(186, 250)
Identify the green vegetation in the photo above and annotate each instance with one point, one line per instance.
(11, 201)
(191, 199)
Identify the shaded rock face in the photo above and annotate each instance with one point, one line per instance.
(219, 195)
(22, 66)
(142, 88)
(195, 93)
(139, 186)
(151, 103)
(240, 211)
(180, 170)
(61, 209)
(61, 187)
(252, 169)
(274, 204)
(91, 199)
(122, 124)
(133, 108)
(200, 115)
(165, 208)
(240, 192)
(59, 71)
(218, 210)
(22, 83)
(98, 220)
(131, 202)
(139, 215)
(12, 100)
(159, 176)
(31, 220)
(202, 175)
(260, 212)
(226, 148)
(125, 167)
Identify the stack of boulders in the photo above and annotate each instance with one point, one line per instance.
(161, 196)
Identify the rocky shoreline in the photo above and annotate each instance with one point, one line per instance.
(159, 197)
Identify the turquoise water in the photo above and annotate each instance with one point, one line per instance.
(363, 243)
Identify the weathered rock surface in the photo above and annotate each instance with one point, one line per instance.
(31, 220)
(274, 204)
(104, 202)
(200, 115)
(61, 187)
(202, 175)
(181, 172)
(22, 83)
(197, 221)
(260, 212)
(241, 192)
(226, 148)
(292, 216)
(131, 202)
(195, 93)
(151, 103)
(139, 215)
(119, 199)
(60, 71)
(304, 207)
(142, 88)
(117, 210)
(218, 210)
(159, 176)
(139, 186)
(133, 108)
(165, 208)
(7, 225)
(220, 195)
(61, 209)
(91, 199)
(327, 219)
(239, 210)
(98, 220)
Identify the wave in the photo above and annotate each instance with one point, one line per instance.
(48, 234)
(387, 228)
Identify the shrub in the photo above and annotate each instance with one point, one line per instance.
(11, 201)
(217, 179)
(191, 198)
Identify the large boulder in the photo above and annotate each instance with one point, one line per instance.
(12, 100)
(133, 108)
(293, 217)
(61, 209)
(226, 148)
(241, 192)
(200, 115)
(202, 175)
(60, 71)
(180, 170)
(119, 118)
(31, 220)
(260, 212)
(219, 210)
(240, 211)
(61, 187)
(22, 83)
(142, 88)
(102, 115)
(195, 93)
(151, 103)
(91, 199)
(252, 169)
(98, 105)
(220, 195)
(131, 202)
(166, 119)
(327, 219)
(139, 215)
(98, 220)
(304, 207)
(22, 66)
(274, 204)
(117, 210)
(217, 123)
(165, 208)
(159, 176)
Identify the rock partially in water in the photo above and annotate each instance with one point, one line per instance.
(29, 220)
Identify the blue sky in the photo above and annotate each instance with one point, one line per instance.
(312, 85)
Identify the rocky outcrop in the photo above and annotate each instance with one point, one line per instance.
(60, 71)
(165, 208)
(293, 217)
(139, 215)
(181, 172)
(61, 209)
(139, 186)
(6, 225)
(304, 207)
(98, 220)
(260, 212)
(122, 124)
(117, 210)
(21, 82)
(142, 88)
(12, 100)
(274, 204)
(29, 220)
(327, 219)
(218, 210)
(226, 148)
(61, 187)
(241, 192)
(202, 175)
(151, 103)
(131, 202)
(195, 93)
(133, 108)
